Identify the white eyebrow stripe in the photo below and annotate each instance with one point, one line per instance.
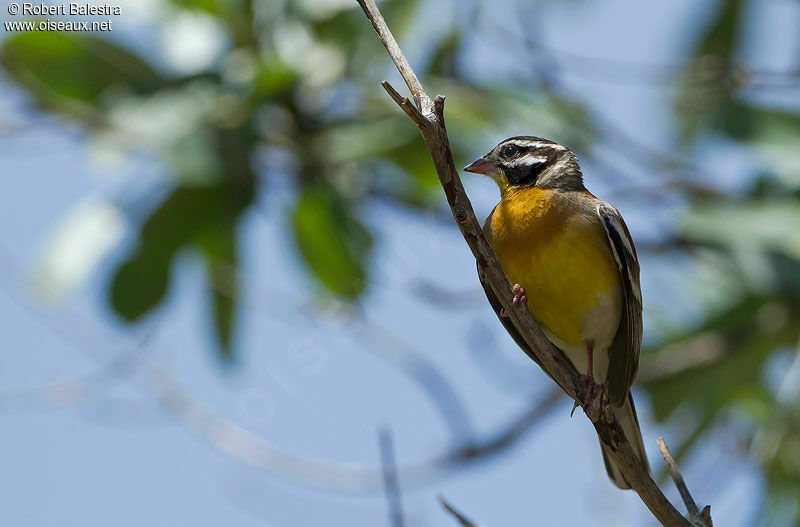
(529, 160)
(535, 159)
(538, 144)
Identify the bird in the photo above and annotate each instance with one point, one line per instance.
(573, 264)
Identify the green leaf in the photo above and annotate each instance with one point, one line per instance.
(141, 282)
(188, 215)
(721, 36)
(69, 72)
(333, 243)
(219, 246)
(139, 285)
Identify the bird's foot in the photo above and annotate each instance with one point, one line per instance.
(593, 398)
(519, 297)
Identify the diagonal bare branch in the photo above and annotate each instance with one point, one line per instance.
(542, 351)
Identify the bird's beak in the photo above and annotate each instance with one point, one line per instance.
(482, 165)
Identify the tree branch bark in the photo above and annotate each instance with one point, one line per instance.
(429, 117)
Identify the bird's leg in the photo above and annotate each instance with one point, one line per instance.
(519, 297)
(593, 393)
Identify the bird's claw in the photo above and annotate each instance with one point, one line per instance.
(519, 298)
(593, 398)
(519, 295)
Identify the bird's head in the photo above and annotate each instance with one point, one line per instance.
(527, 161)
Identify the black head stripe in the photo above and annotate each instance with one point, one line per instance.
(530, 140)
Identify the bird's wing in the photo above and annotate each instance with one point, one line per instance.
(624, 352)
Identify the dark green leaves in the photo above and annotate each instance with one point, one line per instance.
(69, 72)
(333, 243)
(201, 217)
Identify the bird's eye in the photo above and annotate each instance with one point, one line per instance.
(509, 151)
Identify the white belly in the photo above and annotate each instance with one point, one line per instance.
(600, 326)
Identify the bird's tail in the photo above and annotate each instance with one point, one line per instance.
(626, 415)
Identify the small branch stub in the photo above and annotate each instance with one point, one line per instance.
(406, 105)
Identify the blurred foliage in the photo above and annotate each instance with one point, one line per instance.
(742, 362)
(68, 72)
(712, 62)
(294, 97)
(295, 79)
(333, 243)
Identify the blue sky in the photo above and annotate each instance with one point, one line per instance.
(314, 385)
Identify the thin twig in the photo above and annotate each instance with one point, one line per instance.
(376, 18)
(463, 520)
(700, 518)
(541, 350)
(391, 485)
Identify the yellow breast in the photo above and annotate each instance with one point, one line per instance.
(562, 259)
